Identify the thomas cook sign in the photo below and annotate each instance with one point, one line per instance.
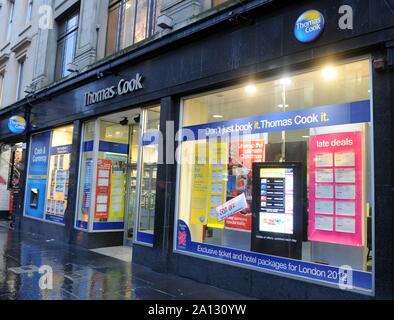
(123, 87)
(309, 26)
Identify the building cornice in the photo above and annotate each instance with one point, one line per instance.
(4, 58)
(21, 46)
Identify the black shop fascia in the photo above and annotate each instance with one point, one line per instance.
(122, 88)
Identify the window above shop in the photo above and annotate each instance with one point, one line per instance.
(129, 22)
(66, 43)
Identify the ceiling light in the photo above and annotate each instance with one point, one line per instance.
(285, 81)
(306, 137)
(329, 73)
(281, 106)
(217, 116)
(251, 89)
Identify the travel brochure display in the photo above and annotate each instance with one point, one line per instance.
(277, 209)
(217, 176)
(118, 183)
(57, 193)
(336, 188)
(103, 188)
(209, 183)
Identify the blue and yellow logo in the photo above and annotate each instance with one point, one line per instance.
(309, 26)
(17, 124)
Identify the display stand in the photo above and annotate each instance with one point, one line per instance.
(278, 210)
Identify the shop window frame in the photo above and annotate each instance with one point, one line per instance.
(67, 211)
(371, 182)
(63, 35)
(95, 151)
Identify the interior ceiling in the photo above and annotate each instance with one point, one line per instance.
(117, 117)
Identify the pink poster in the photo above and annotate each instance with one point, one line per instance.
(242, 156)
(336, 188)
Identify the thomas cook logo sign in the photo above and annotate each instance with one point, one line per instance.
(122, 88)
(17, 124)
(309, 26)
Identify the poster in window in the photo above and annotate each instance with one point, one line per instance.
(335, 206)
(103, 189)
(241, 158)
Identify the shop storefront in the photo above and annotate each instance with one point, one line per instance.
(287, 190)
(253, 157)
(13, 127)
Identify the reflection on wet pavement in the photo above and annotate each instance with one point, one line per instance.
(80, 274)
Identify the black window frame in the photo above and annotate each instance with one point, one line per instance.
(63, 33)
(150, 22)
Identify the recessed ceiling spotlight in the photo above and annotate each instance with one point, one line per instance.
(285, 81)
(251, 89)
(329, 73)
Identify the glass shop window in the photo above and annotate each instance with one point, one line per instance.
(275, 175)
(148, 174)
(48, 175)
(86, 176)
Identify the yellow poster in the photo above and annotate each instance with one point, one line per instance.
(199, 184)
(217, 181)
(117, 195)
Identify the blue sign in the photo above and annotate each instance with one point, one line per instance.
(17, 124)
(347, 113)
(353, 279)
(37, 175)
(39, 154)
(309, 26)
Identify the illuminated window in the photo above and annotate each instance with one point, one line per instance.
(129, 22)
(278, 173)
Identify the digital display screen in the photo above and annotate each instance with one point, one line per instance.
(277, 200)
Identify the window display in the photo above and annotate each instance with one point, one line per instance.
(275, 175)
(48, 175)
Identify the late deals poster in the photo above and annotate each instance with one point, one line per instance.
(336, 188)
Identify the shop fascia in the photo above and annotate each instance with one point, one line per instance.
(123, 87)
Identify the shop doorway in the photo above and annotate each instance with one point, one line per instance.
(121, 133)
(117, 182)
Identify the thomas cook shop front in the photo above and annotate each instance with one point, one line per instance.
(253, 157)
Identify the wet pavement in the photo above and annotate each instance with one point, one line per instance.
(80, 274)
